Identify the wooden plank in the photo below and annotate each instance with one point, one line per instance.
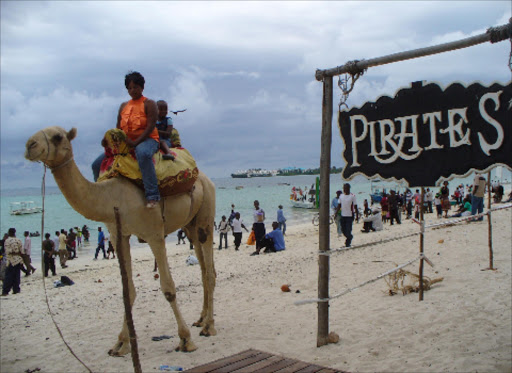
(248, 362)
(260, 365)
(254, 361)
(277, 366)
(329, 370)
(295, 367)
(224, 361)
(311, 369)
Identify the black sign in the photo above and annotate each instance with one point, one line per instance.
(425, 133)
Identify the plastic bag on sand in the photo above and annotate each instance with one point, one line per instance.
(191, 260)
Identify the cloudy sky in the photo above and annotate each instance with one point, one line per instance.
(245, 71)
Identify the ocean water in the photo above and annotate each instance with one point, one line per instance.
(269, 191)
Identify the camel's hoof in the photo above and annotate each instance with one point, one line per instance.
(199, 323)
(208, 331)
(186, 345)
(120, 349)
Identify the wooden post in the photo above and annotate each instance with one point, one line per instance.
(489, 221)
(126, 295)
(422, 236)
(323, 231)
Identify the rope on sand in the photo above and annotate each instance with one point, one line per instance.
(43, 193)
(396, 269)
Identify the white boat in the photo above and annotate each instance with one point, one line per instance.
(24, 207)
(305, 199)
(303, 204)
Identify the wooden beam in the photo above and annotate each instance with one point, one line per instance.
(493, 34)
(323, 231)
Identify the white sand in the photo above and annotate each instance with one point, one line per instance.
(463, 325)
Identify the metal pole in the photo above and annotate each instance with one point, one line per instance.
(126, 295)
(422, 237)
(323, 232)
(493, 34)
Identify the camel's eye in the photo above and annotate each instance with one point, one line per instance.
(32, 144)
(57, 138)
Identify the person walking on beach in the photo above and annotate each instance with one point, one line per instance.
(71, 244)
(63, 251)
(101, 244)
(348, 206)
(13, 251)
(445, 198)
(430, 199)
(26, 252)
(49, 252)
(237, 225)
(477, 197)
(281, 220)
(337, 215)
(394, 209)
(232, 215)
(223, 230)
(78, 237)
(85, 232)
(110, 247)
(259, 223)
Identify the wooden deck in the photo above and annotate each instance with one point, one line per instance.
(250, 361)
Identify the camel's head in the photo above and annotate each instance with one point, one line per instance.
(52, 146)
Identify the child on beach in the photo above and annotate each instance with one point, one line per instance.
(439, 207)
(169, 136)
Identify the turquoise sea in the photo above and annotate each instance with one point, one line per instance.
(270, 191)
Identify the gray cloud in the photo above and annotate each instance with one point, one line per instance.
(243, 70)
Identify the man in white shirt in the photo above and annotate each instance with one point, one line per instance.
(27, 251)
(237, 224)
(430, 199)
(348, 206)
(373, 222)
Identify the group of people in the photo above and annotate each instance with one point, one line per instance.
(269, 242)
(15, 259)
(16, 255)
(148, 129)
(469, 200)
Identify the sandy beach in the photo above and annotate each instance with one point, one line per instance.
(464, 323)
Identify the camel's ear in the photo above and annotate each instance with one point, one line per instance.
(71, 134)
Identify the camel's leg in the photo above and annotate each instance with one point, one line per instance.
(169, 290)
(122, 347)
(202, 239)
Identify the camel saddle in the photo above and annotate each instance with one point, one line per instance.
(174, 177)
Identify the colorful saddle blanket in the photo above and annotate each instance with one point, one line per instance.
(174, 177)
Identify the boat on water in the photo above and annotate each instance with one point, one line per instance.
(24, 207)
(239, 187)
(253, 172)
(306, 199)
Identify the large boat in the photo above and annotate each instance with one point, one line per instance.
(240, 175)
(253, 172)
(24, 207)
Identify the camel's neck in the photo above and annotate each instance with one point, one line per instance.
(80, 193)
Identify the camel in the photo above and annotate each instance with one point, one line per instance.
(194, 211)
